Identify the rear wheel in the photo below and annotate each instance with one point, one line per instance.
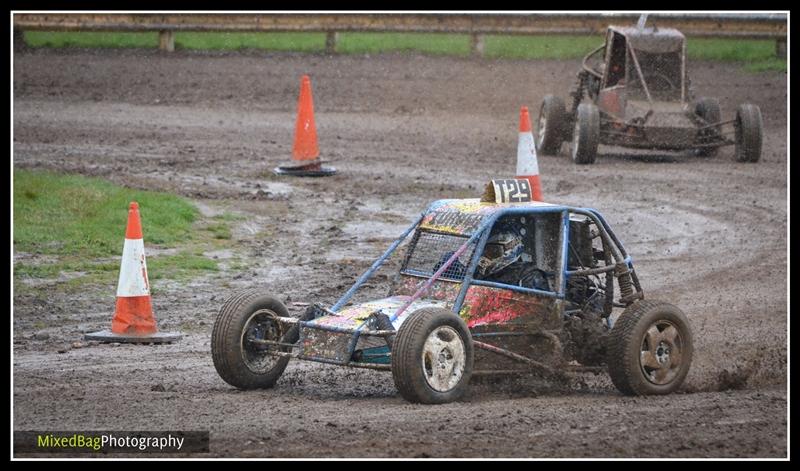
(650, 349)
(749, 131)
(550, 126)
(432, 357)
(709, 110)
(245, 322)
(586, 135)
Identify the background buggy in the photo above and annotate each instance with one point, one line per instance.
(637, 94)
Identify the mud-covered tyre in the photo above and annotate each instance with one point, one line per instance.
(246, 316)
(709, 110)
(586, 135)
(650, 349)
(432, 357)
(550, 125)
(749, 131)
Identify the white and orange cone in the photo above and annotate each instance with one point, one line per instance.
(527, 164)
(133, 320)
(305, 151)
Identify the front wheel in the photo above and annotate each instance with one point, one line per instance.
(586, 135)
(240, 346)
(550, 126)
(749, 131)
(432, 357)
(650, 349)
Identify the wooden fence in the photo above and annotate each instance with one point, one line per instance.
(751, 26)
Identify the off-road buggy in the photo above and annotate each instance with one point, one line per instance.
(440, 319)
(637, 94)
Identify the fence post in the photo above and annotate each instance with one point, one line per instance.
(166, 40)
(331, 38)
(780, 48)
(477, 45)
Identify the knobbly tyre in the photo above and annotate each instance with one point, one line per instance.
(637, 95)
(442, 317)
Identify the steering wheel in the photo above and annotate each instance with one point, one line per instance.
(657, 75)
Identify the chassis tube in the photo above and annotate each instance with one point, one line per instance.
(515, 356)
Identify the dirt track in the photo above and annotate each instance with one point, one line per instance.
(706, 234)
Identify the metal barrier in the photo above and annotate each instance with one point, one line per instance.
(752, 26)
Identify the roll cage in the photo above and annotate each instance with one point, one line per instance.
(621, 60)
(621, 265)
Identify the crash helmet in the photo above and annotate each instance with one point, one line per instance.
(502, 249)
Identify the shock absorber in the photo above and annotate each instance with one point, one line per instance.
(382, 322)
(577, 94)
(627, 295)
(609, 304)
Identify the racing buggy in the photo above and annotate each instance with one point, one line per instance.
(577, 304)
(636, 94)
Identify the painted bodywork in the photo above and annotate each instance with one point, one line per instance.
(348, 334)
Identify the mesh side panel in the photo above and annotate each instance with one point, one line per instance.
(429, 251)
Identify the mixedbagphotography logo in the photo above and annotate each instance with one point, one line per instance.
(103, 442)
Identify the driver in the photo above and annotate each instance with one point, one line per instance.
(501, 262)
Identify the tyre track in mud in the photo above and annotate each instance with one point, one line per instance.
(707, 234)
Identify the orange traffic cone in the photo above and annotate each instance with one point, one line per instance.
(133, 320)
(527, 165)
(305, 152)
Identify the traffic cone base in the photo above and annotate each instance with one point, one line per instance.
(133, 317)
(109, 336)
(305, 170)
(305, 151)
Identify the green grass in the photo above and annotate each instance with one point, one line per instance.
(302, 42)
(180, 266)
(773, 64)
(71, 214)
(759, 55)
(430, 43)
(219, 231)
(540, 47)
(75, 227)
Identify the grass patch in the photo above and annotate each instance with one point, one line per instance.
(767, 65)
(181, 266)
(729, 50)
(302, 42)
(759, 54)
(430, 43)
(75, 227)
(219, 231)
(228, 216)
(72, 214)
(540, 47)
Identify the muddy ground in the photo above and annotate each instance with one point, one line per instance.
(707, 234)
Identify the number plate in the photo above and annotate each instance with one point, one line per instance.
(511, 190)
